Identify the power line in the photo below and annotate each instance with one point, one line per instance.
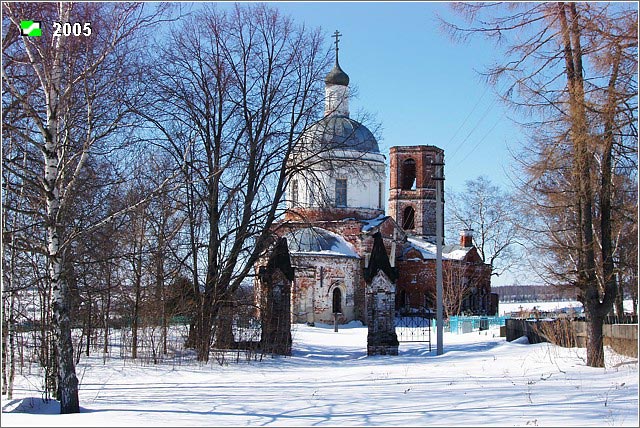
(469, 115)
(478, 143)
(486, 112)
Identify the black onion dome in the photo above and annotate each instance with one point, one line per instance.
(337, 76)
(340, 132)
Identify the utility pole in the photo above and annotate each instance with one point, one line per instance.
(439, 179)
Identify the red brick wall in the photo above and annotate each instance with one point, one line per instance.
(422, 155)
(417, 279)
(422, 199)
(330, 214)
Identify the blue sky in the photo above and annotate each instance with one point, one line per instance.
(419, 85)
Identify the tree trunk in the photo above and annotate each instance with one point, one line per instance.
(160, 289)
(204, 328)
(583, 167)
(48, 353)
(611, 288)
(9, 353)
(106, 310)
(595, 341)
(136, 317)
(195, 326)
(224, 327)
(67, 380)
(619, 303)
(88, 326)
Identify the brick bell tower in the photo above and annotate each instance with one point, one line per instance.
(412, 193)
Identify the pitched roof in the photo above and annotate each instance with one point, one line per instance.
(428, 249)
(379, 261)
(279, 259)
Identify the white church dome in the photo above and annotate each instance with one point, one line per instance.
(346, 172)
(337, 132)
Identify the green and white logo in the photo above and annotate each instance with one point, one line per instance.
(30, 28)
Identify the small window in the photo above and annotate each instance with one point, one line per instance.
(380, 195)
(409, 175)
(408, 218)
(337, 301)
(341, 192)
(294, 192)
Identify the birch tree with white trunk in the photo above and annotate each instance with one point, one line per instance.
(71, 89)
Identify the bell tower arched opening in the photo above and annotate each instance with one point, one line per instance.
(408, 174)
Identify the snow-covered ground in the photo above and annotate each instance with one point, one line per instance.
(479, 380)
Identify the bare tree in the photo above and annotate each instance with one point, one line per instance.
(491, 213)
(456, 287)
(572, 67)
(232, 100)
(70, 92)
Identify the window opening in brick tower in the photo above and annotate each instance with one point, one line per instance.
(341, 192)
(409, 174)
(408, 218)
(337, 301)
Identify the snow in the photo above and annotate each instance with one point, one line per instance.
(374, 222)
(479, 380)
(341, 246)
(507, 308)
(457, 254)
(428, 250)
(337, 252)
(318, 241)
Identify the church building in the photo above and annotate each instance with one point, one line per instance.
(335, 207)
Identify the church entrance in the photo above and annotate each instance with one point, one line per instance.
(337, 301)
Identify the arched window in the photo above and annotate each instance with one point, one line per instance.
(408, 218)
(408, 174)
(337, 301)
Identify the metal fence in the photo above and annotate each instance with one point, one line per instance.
(414, 326)
(467, 324)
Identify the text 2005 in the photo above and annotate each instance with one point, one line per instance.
(67, 29)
